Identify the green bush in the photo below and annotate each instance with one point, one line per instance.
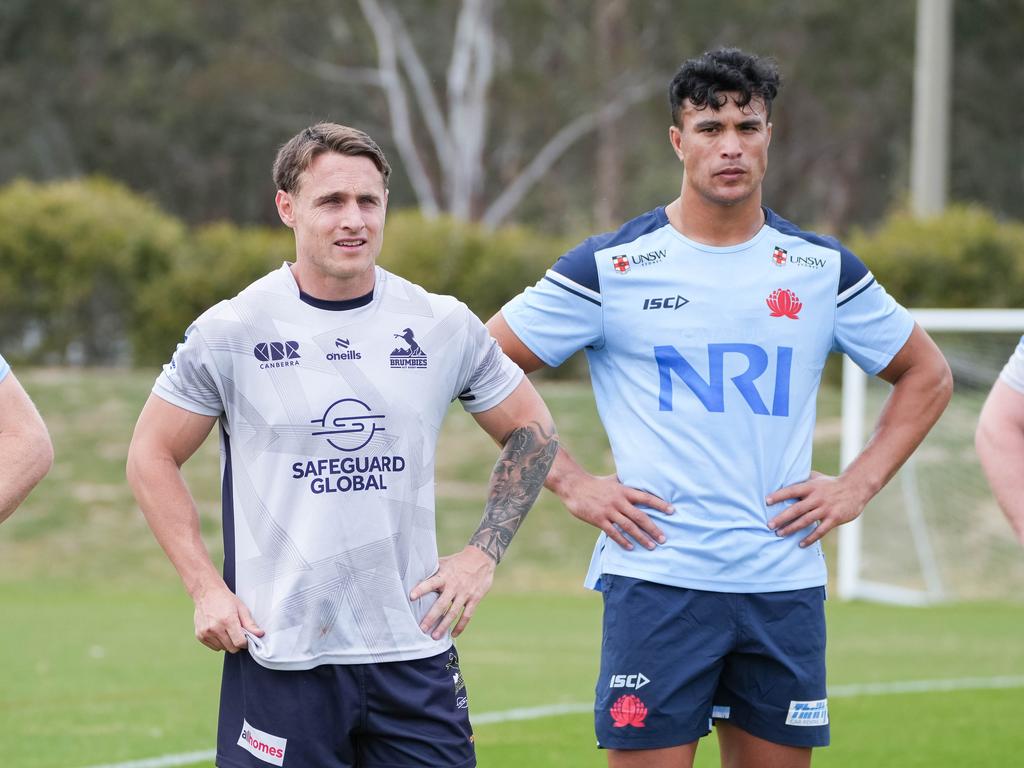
(482, 268)
(963, 258)
(215, 263)
(73, 256)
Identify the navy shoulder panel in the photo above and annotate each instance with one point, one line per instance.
(578, 263)
(851, 269)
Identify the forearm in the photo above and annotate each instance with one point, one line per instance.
(999, 443)
(917, 400)
(564, 470)
(1002, 457)
(25, 458)
(526, 458)
(171, 513)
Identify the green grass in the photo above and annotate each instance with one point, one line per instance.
(100, 665)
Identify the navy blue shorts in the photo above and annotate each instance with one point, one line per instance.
(672, 659)
(400, 713)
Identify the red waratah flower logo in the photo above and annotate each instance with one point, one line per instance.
(629, 710)
(784, 303)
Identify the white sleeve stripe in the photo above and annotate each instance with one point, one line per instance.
(854, 289)
(573, 287)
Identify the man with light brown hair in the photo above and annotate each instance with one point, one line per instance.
(330, 378)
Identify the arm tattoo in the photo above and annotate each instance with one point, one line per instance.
(515, 482)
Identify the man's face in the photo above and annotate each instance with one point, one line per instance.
(337, 214)
(724, 151)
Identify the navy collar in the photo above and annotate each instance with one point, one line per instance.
(313, 301)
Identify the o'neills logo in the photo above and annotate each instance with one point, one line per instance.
(265, 746)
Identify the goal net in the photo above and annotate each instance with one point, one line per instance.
(934, 533)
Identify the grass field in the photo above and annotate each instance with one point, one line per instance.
(100, 666)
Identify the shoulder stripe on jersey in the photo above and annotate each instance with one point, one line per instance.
(851, 269)
(576, 290)
(578, 265)
(855, 290)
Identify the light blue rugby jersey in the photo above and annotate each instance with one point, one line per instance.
(705, 363)
(4, 368)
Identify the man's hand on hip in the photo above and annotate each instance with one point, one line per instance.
(822, 499)
(607, 504)
(461, 581)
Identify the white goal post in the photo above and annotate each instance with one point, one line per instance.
(906, 491)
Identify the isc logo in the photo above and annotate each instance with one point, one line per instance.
(668, 302)
(636, 681)
(712, 392)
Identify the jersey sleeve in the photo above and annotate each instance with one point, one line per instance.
(562, 312)
(1013, 371)
(190, 380)
(871, 327)
(487, 375)
(4, 368)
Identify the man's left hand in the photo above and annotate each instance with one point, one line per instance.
(822, 499)
(461, 580)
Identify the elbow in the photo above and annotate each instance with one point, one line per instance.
(131, 466)
(943, 384)
(41, 451)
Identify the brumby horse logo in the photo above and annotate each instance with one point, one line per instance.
(411, 357)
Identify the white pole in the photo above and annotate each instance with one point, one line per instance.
(932, 85)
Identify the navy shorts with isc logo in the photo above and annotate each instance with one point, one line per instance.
(672, 659)
(400, 713)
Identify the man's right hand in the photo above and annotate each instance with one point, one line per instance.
(607, 504)
(220, 618)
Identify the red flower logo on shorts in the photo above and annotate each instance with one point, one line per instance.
(629, 710)
(784, 303)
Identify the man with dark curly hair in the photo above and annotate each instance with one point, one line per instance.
(706, 324)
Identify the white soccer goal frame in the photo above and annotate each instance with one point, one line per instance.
(851, 585)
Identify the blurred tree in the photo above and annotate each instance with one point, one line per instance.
(550, 112)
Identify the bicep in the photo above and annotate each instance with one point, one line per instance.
(521, 408)
(919, 351)
(1003, 412)
(166, 430)
(17, 413)
(512, 345)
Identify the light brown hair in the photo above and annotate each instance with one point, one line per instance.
(303, 148)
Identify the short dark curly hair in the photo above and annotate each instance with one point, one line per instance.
(706, 79)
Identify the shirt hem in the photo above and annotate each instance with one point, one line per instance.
(359, 658)
(498, 397)
(188, 405)
(741, 587)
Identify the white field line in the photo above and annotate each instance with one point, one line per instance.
(574, 708)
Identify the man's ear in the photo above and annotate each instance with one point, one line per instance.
(285, 208)
(675, 138)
